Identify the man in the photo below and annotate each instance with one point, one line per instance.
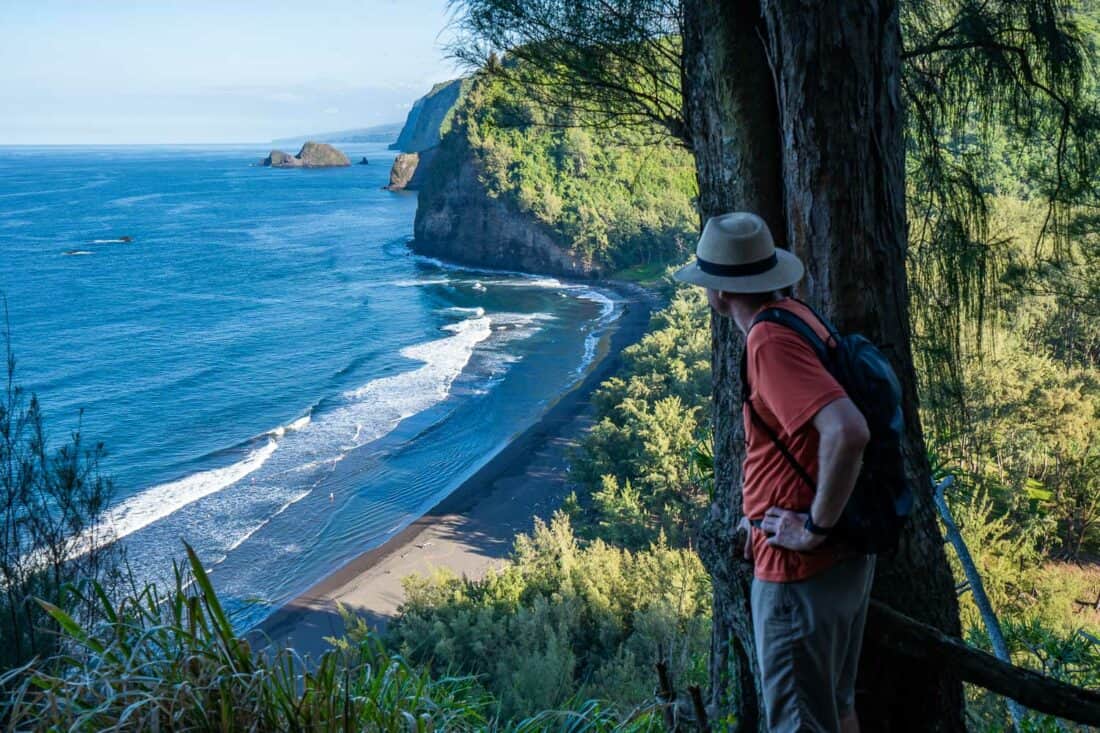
(809, 597)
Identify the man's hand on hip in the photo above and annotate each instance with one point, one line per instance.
(744, 529)
(788, 529)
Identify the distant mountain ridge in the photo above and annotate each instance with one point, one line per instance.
(386, 133)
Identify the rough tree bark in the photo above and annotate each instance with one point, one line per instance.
(795, 112)
(730, 107)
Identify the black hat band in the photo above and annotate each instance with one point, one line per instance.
(748, 268)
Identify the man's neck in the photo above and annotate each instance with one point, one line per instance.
(743, 311)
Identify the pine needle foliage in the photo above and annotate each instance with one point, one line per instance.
(990, 87)
(610, 64)
(52, 500)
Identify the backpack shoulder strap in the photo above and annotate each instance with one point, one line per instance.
(785, 318)
(833, 333)
(781, 446)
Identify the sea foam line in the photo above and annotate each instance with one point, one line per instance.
(607, 305)
(160, 501)
(369, 412)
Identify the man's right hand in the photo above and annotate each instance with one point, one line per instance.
(744, 530)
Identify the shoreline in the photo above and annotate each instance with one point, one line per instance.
(472, 526)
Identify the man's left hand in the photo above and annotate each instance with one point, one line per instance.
(788, 529)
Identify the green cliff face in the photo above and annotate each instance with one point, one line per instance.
(430, 117)
(518, 186)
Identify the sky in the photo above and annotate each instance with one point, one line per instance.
(200, 71)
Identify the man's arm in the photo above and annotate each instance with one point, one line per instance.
(843, 434)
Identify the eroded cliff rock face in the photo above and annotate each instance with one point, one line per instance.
(312, 155)
(458, 220)
(410, 170)
(404, 165)
(425, 126)
(428, 116)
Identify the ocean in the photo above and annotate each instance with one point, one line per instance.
(277, 378)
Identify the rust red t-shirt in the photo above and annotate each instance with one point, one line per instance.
(789, 386)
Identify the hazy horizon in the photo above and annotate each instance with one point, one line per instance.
(202, 73)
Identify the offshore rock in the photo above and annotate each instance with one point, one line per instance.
(404, 166)
(411, 170)
(312, 155)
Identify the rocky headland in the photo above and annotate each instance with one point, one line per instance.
(429, 117)
(312, 155)
(457, 219)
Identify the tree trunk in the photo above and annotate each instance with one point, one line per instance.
(795, 113)
(730, 107)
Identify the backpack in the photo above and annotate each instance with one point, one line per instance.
(881, 501)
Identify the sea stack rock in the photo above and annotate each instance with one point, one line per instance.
(364, 161)
(312, 155)
(404, 165)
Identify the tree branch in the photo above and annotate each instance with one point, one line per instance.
(919, 641)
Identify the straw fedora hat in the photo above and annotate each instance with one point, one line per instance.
(736, 254)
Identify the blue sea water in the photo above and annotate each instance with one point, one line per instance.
(277, 378)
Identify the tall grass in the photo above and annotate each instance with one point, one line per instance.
(163, 661)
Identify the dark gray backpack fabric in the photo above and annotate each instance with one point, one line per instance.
(881, 500)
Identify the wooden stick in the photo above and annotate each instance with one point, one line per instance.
(667, 694)
(700, 709)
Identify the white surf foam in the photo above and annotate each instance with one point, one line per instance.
(313, 441)
(378, 406)
(477, 312)
(418, 283)
(160, 501)
(293, 500)
(294, 425)
(609, 312)
(77, 252)
(131, 200)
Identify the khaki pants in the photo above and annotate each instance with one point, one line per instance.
(808, 637)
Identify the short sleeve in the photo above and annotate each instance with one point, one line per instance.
(786, 374)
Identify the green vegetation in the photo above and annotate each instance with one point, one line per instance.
(635, 466)
(561, 621)
(51, 503)
(172, 662)
(616, 197)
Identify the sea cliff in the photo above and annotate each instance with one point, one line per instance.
(516, 186)
(458, 219)
(429, 117)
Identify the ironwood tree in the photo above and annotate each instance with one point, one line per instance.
(808, 113)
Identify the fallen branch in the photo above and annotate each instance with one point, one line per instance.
(1040, 693)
